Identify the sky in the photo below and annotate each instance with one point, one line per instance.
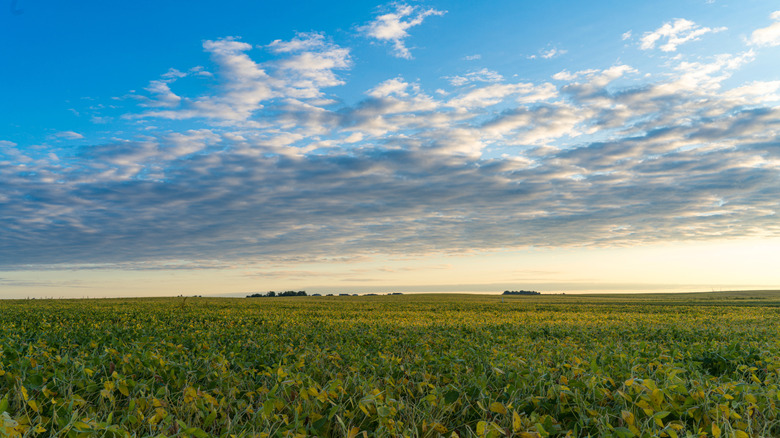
(166, 148)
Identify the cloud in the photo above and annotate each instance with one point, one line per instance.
(483, 75)
(395, 86)
(472, 57)
(551, 53)
(308, 65)
(493, 94)
(548, 53)
(676, 33)
(270, 167)
(68, 135)
(301, 42)
(538, 125)
(767, 36)
(392, 27)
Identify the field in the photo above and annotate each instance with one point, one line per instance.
(686, 365)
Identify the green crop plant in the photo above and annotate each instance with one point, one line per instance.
(392, 366)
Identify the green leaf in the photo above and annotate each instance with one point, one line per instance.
(451, 397)
(200, 433)
(210, 419)
(317, 425)
(661, 414)
(268, 407)
(622, 432)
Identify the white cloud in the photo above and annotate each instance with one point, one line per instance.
(309, 71)
(395, 86)
(68, 135)
(695, 76)
(244, 84)
(472, 57)
(548, 53)
(301, 42)
(354, 137)
(676, 33)
(565, 75)
(484, 75)
(754, 92)
(626, 35)
(493, 94)
(164, 97)
(539, 125)
(308, 65)
(767, 36)
(392, 26)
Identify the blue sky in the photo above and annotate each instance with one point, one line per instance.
(151, 148)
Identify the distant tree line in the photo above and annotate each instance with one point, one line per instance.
(288, 293)
(521, 292)
(302, 293)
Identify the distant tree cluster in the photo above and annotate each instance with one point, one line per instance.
(521, 292)
(271, 294)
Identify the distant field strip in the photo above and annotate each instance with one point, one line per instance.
(387, 366)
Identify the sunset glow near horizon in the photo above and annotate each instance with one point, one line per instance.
(437, 146)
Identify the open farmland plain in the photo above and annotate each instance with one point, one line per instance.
(680, 365)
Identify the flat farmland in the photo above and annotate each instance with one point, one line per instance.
(678, 365)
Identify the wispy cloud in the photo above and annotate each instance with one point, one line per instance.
(68, 135)
(673, 34)
(483, 75)
(767, 36)
(392, 26)
(548, 53)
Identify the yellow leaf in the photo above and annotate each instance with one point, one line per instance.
(498, 408)
(33, 405)
(352, 432)
(715, 430)
(741, 434)
(517, 422)
(24, 393)
(481, 426)
(657, 397)
(628, 417)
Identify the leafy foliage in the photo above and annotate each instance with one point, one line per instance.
(418, 366)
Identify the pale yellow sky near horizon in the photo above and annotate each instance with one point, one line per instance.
(668, 267)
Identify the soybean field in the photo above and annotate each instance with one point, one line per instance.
(680, 365)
